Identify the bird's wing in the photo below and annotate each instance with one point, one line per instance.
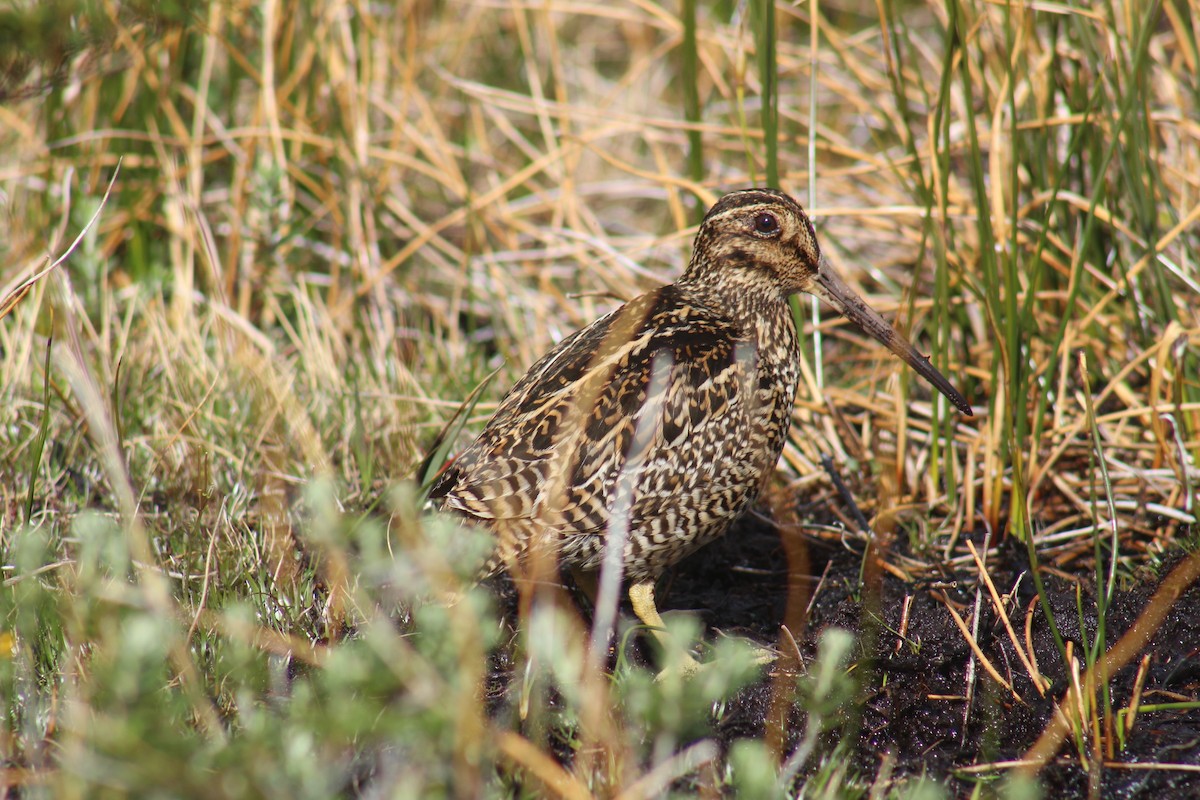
(618, 397)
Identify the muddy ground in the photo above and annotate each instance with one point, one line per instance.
(911, 687)
(911, 702)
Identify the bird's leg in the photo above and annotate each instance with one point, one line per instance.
(641, 595)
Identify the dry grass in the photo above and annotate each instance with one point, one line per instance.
(331, 221)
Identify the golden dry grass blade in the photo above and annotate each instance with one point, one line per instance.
(11, 295)
(521, 752)
(1040, 682)
(979, 654)
(1126, 648)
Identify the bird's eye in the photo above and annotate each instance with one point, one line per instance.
(766, 224)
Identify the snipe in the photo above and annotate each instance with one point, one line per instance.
(660, 422)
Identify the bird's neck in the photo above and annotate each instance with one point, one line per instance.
(775, 331)
(760, 312)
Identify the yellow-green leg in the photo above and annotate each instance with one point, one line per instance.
(641, 595)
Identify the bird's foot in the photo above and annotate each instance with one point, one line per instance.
(686, 666)
(763, 655)
(735, 655)
(685, 669)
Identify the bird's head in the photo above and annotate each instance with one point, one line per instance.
(755, 240)
(758, 244)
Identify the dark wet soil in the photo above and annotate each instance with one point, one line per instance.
(914, 686)
(913, 663)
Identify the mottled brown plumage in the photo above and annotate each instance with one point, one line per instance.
(660, 422)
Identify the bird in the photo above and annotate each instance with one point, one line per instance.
(654, 428)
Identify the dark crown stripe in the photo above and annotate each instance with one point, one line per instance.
(750, 197)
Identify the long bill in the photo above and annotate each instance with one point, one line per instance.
(830, 287)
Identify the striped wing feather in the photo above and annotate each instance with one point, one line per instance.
(654, 409)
